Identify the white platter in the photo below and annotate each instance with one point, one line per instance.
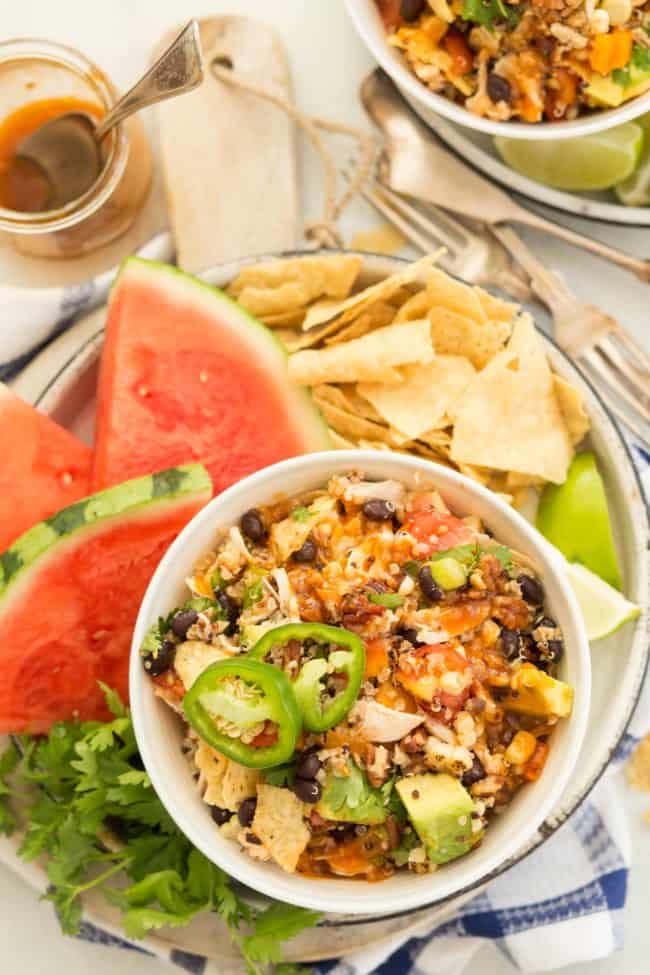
(61, 382)
(478, 150)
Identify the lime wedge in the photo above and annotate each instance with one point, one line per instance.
(593, 162)
(575, 518)
(635, 190)
(604, 608)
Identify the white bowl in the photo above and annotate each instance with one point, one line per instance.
(368, 23)
(159, 730)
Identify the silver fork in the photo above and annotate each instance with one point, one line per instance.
(479, 259)
(611, 358)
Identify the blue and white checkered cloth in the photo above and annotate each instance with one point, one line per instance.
(562, 904)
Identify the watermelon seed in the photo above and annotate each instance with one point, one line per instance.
(66, 478)
(143, 391)
(203, 377)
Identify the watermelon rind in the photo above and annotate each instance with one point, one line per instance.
(265, 347)
(186, 481)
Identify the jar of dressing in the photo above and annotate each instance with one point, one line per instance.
(39, 81)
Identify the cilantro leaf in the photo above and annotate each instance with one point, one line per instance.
(8, 762)
(301, 514)
(278, 923)
(490, 12)
(281, 775)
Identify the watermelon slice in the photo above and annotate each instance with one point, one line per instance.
(188, 375)
(70, 589)
(43, 467)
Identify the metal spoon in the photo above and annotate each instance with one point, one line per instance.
(67, 150)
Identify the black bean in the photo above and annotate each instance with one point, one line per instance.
(307, 552)
(162, 661)
(546, 622)
(246, 812)
(411, 9)
(428, 585)
(509, 643)
(308, 765)
(473, 774)
(182, 622)
(378, 509)
(308, 790)
(220, 815)
(230, 609)
(498, 88)
(531, 590)
(409, 634)
(252, 525)
(555, 649)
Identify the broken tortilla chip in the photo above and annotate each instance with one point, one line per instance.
(382, 291)
(289, 319)
(380, 315)
(414, 308)
(572, 409)
(279, 824)
(427, 393)
(278, 287)
(496, 308)
(509, 417)
(454, 334)
(444, 291)
(354, 427)
(371, 358)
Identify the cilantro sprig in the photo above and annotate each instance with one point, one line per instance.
(490, 12)
(89, 810)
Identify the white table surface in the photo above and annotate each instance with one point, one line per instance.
(327, 62)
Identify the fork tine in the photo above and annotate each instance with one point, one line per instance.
(637, 418)
(426, 244)
(447, 233)
(608, 347)
(634, 350)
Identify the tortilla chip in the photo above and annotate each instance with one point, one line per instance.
(378, 316)
(291, 340)
(415, 308)
(509, 418)
(382, 291)
(446, 292)
(279, 824)
(371, 358)
(346, 398)
(225, 783)
(496, 308)
(288, 319)
(638, 767)
(454, 334)
(572, 409)
(426, 395)
(280, 286)
(353, 427)
(515, 481)
(339, 442)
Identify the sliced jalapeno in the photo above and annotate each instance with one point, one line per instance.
(338, 651)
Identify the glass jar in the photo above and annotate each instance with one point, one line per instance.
(34, 71)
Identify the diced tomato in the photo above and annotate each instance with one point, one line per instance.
(390, 12)
(438, 531)
(535, 766)
(376, 656)
(422, 673)
(266, 738)
(459, 51)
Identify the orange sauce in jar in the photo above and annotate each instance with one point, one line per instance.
(23, 187)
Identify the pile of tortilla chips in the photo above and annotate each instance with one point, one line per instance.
(421, 363)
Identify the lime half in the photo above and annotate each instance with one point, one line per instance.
(593, 162)
(635, 190)
(604, 608)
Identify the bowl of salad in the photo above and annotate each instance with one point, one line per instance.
(513, 67)
(359, 682)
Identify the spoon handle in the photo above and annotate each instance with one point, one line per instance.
(178, 69)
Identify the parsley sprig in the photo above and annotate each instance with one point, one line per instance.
(89, 810)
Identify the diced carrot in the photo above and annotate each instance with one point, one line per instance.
(611, 51)
(376, 656)
(459, 51)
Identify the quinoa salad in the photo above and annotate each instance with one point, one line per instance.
(365, 679)
(527, 60)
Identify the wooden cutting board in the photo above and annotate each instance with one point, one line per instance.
(229, 158)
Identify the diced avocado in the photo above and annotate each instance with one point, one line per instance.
(351, 799)
(440, 809)
(449, 573)
(611, 91)
(536, 693)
